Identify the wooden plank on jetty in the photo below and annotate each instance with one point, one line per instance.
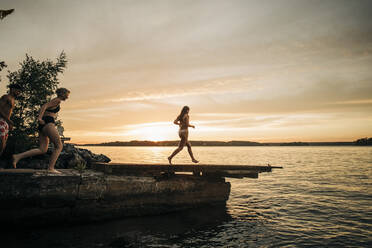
(210, 170)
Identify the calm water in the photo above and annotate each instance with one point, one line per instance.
(322, 198)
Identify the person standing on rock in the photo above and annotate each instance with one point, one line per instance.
(183, 121)
(47, 131)
(6, 108)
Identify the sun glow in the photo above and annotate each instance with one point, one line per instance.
(156, 131)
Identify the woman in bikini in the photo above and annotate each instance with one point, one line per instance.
(183, 121)
(47, 131)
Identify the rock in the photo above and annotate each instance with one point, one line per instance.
(70, 157)
(75, 160)
(101, 158)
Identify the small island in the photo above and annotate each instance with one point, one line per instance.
(359, 142)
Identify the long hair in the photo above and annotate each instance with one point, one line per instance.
(183, 112)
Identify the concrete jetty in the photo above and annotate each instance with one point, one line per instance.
(31, 197)
(210, 170)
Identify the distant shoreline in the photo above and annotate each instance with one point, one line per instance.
(228, 143)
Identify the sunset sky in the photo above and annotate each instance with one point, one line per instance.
(249, 70)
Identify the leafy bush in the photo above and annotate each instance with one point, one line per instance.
(39, 80)
(81, 166)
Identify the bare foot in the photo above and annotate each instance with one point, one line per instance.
(170, 160)
(54, 171)
(195, 161)
(14, 161)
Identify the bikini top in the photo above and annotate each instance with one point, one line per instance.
(183, 123)
(55, 110)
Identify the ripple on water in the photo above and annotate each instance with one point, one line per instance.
(322, 198)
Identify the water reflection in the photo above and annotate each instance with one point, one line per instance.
(322, 198)
(130, 232)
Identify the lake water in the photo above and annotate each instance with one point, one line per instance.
(322, 198)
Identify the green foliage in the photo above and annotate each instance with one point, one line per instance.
(2, 66)
(4, 13)
(39, 80)
(80, 166)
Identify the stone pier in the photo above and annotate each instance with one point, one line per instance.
(35, 197)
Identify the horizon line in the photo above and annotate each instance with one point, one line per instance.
(216, 141)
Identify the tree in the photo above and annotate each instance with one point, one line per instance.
(4, 13)
(2, 66)
(363, 142)
(39, 80)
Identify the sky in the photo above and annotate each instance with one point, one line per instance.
(264, 71)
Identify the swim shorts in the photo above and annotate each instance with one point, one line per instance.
(4, 128)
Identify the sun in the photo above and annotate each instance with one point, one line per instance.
(153, 131)
(155, 138)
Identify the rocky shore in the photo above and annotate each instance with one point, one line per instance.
(90, 189)
(70, 157)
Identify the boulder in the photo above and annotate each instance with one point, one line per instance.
(70, 157)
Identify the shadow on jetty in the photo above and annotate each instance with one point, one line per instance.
(129, 232)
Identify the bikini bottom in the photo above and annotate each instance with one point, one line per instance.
(182, 132)
(47, 119)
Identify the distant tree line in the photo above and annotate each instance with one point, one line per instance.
(359, 142)
(364, 142)
(175, 143)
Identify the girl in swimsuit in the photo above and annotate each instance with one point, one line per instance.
(183, 121)
(47, 131)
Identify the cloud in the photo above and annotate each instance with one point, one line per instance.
(210, 87)
(237, 64)
(141, 125)
(354, 102)
(84, 133)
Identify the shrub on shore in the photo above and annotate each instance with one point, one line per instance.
(39, 80)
